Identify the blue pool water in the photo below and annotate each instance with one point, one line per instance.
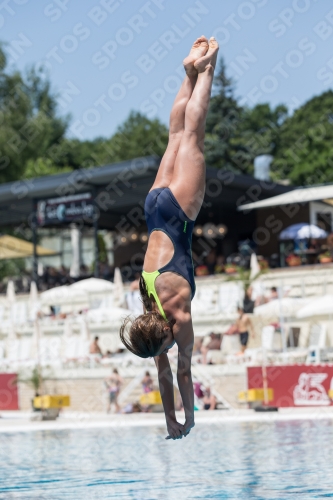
(277, 460)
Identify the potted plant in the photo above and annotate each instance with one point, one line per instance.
(201, 271)
(230, 268)
(293, 260)
(48, 405)
(263, 264)
(325, 258)
(35, 381)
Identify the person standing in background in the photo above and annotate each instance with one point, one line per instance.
(248, 303)
(114, 383)
(244, 326)
(147, 383)
(209, 400)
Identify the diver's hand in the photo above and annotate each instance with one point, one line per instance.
(175, 429)
(189, 424)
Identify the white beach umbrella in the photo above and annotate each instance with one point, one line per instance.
(111, 314)
(40, 269)
(118, 296)
(34, 303)
(36, 339)
(254, 266)
(63, 295)
(10, 294)
(53, 295)
(287, 307)
(84, 328)
(321, 306)
(33, 296)
(34, 307)
(134, 302)
(11, 299)
(302, 231)
(68, 327)
(93, 285)
(76, 257)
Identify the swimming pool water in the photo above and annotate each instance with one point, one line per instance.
(277, 460)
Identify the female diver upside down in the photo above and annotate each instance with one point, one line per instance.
(167, 283)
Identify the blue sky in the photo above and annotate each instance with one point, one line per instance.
(109, 57)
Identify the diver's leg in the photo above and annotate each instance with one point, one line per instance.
(177, 115)
(188, 181)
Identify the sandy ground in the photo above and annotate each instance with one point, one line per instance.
(20, 421)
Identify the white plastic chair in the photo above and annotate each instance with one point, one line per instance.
(13, 353)
(19, 313)
(71, 348)
(267, 343)
(25, 348)
(208, 300)
(317, 343)
(43, 351)
(53, 351)
(83, 350)
(49, 351)
(134, 302)
(309, 355)
(2, 313)
(205, 301)
(24, 353)
(230, 297)
(231, 347)
(267, 337)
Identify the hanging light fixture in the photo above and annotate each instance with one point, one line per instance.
(198, 231)
(143, 237)
(209, 230)
(221, 230)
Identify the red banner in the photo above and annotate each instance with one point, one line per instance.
(295, 385)
(8, 391)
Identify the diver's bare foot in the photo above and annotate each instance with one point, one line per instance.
(209, 59)
(199, 49)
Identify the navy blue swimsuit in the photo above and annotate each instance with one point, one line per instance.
(163, 213)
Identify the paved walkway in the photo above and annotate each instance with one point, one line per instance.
(20, 421)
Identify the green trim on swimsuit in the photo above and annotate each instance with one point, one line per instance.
(150, 279)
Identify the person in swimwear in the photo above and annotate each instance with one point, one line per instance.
(209, 400)
(114, 383)
(147, 383)
(167, 283)
(244, 325)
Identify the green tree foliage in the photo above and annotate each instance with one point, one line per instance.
(33, 141)
(29, 124)
(235, 135)
(137, 136)
(305, 151)
(75, 154)
(42, 166)
(258, 133)
(102, 249)
(222, 147)
(12, 267)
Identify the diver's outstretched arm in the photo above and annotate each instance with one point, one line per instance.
(185, 339)
(165, 380)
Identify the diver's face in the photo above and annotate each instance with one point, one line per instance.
(168, 342)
